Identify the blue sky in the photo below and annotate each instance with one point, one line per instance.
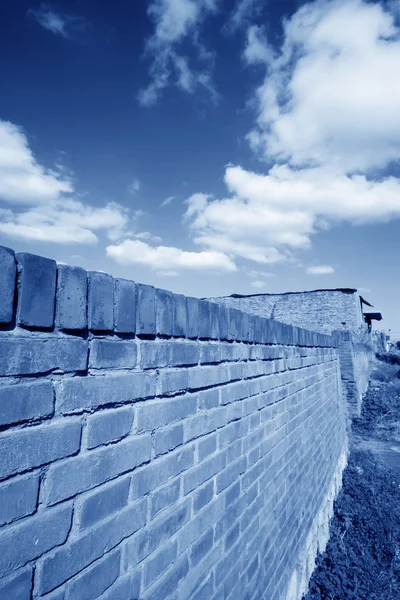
(208, 146)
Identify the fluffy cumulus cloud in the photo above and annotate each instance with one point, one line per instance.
(327, 122)
(167, 259)
(176, 23)
(38, 204)
(320, 270)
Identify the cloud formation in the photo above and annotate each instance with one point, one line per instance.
(320, 270)
(59, 23)
(327, 120)
(167, 258)
(176, 23)
(39, 202)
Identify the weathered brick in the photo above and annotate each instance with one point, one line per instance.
(210, 353)
(180, 315)
(214, 321)
(33, 537)
(71, 298)
(95, 580)
(127, 587)
(8, 272)
(109, 426)
(17, 586)
(124, 306)
(84, 472)
(108, 354)
(193, 317)
(203, 496)
(231, 473)
(207, 446)
(101, 504)
(23, 402)
(37, 290)
(172, 381)
(167, 439)
(100, 301)
(158, 564)
(201, 547)
(223, 322)
(164, 497)
(208, 399)
(18, 498)
(169, 582)
(34, 355)
(159, 471)
(145, 311)
(164, 312)
(206, 376)
(204, 319)
(202, 472)
(74, 556)
(155, 414)
(35, 446)
(77, 394)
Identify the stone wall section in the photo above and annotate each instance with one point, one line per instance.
(155, 446)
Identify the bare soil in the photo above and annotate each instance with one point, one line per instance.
(362, 558)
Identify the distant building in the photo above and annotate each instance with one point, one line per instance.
(324, 310)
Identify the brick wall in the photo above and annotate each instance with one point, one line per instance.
(155, 446)
(326, 311)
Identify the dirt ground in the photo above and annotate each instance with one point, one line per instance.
(362, 559)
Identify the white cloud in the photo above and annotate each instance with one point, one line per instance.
(167, 201)
(320, 270)
(258, 284)
(58, 23)
(177, 21)
(167, 258)
(42, 205)
(330, 96)
(134, 187)
(327, 121)
(244, 12)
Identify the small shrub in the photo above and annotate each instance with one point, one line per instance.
(391, 358)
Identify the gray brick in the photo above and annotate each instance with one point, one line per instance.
(206, 590)
(77, 394)
(125, 588)
(155, 414)
(71, 298)
(124, 306)
(159, 471)
(35, 446)
(203, 496)
(169, 582)
(86, 471)
(223, 322)
(17, 586)
(193, 317)
(23, 402)
(108, 354)
(214, 321)
(168, 439)
(18, 498)
(183, 354)
(202, 547)
(95, 580)
(208, 399)
(69, 560)
(158, 564)
(231, 474)
(172, 381)
(162, 529)
(232, 537)
(145, 312)
(8, 272)
(164, 312)
(37, 290)
(33, 537)
(204, 319)
(164, 497)
(109, 426)
(180, 316)
(100, 301)
(101, 504)
(35, 355)
(207, 446)
(204, 471)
